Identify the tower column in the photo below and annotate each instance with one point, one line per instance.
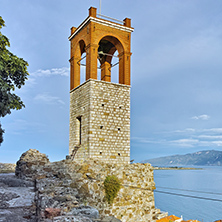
(91, 61)
(75, 67)
(74, 72)
(124, 68)
(106, 71)
(71, 73)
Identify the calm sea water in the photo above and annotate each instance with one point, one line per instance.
(207, 180)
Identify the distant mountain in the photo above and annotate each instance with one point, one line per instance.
(203, 158)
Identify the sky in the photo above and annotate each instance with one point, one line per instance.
(176, 94)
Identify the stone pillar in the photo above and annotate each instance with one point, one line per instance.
(106, 72)
(127, 22)
(92, 11)
(124, 68)
(74, 72)
(91, 61)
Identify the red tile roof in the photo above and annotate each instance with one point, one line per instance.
(168, 218)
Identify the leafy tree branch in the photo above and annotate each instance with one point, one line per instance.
(13, 73)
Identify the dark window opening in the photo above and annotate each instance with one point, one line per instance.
(101, 127)
(118, 154)
(120, 107)
(102, 104)
(79, 118)
(100, 153)
(119, 129)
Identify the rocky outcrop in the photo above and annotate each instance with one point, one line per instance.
(68, 185)
(29, 162)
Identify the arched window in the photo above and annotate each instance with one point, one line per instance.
(82, 62)
(108, 55)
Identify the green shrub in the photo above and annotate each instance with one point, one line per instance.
(112, 186)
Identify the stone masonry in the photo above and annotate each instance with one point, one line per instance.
(68, 185)
(100, 121)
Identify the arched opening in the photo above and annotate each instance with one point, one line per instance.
(78, 65)
(115, 68)
(109, 60)
(83, 68)
(82, 61)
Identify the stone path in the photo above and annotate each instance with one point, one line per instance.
(16, 199)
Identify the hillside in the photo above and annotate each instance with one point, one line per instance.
(203, 158)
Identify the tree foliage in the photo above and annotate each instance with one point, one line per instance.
(13, 73)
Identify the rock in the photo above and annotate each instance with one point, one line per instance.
(16, 199)
(110, 219)
(11, 181)
(85, 211)
(5, 197)
(71, 218)
(24, 167)
(52, 212)
(16, 215)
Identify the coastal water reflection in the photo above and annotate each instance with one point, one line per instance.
(207, 180)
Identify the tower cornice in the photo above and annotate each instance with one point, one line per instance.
(102, 22)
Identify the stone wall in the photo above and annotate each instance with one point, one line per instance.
(103, 108)
(7, 167)
(135, 200)
(68, 184)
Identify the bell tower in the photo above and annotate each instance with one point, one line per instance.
(100, 109)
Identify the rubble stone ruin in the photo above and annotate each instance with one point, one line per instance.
(100, 109)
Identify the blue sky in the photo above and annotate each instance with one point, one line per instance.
(176, 94)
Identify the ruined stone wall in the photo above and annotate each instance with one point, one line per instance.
(135, 200)
(104, 109)
(68, 184)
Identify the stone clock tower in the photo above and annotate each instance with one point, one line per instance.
(100, 109)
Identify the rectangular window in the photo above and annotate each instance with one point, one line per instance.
(79, 128)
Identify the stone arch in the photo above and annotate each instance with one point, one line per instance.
(107, 46)
(82, 46)
(79, 49)
(114, 41)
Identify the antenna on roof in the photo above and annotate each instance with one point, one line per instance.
(100, 2)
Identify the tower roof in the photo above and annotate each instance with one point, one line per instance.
(126, 26)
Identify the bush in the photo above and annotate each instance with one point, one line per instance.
(112, 186)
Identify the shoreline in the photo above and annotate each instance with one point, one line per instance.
(176, 168)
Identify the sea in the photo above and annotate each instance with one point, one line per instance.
(193, 194)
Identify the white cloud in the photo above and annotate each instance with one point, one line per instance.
(144, 140)
(185, 142)
(32, 78)
(195, 139)
(201, 117)
(210, 137)
(19, 126)
(187, 130)
(64, 71)
(213, 130)
(30, 81)
(217, 143)
(45, 97)
(198, 131)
